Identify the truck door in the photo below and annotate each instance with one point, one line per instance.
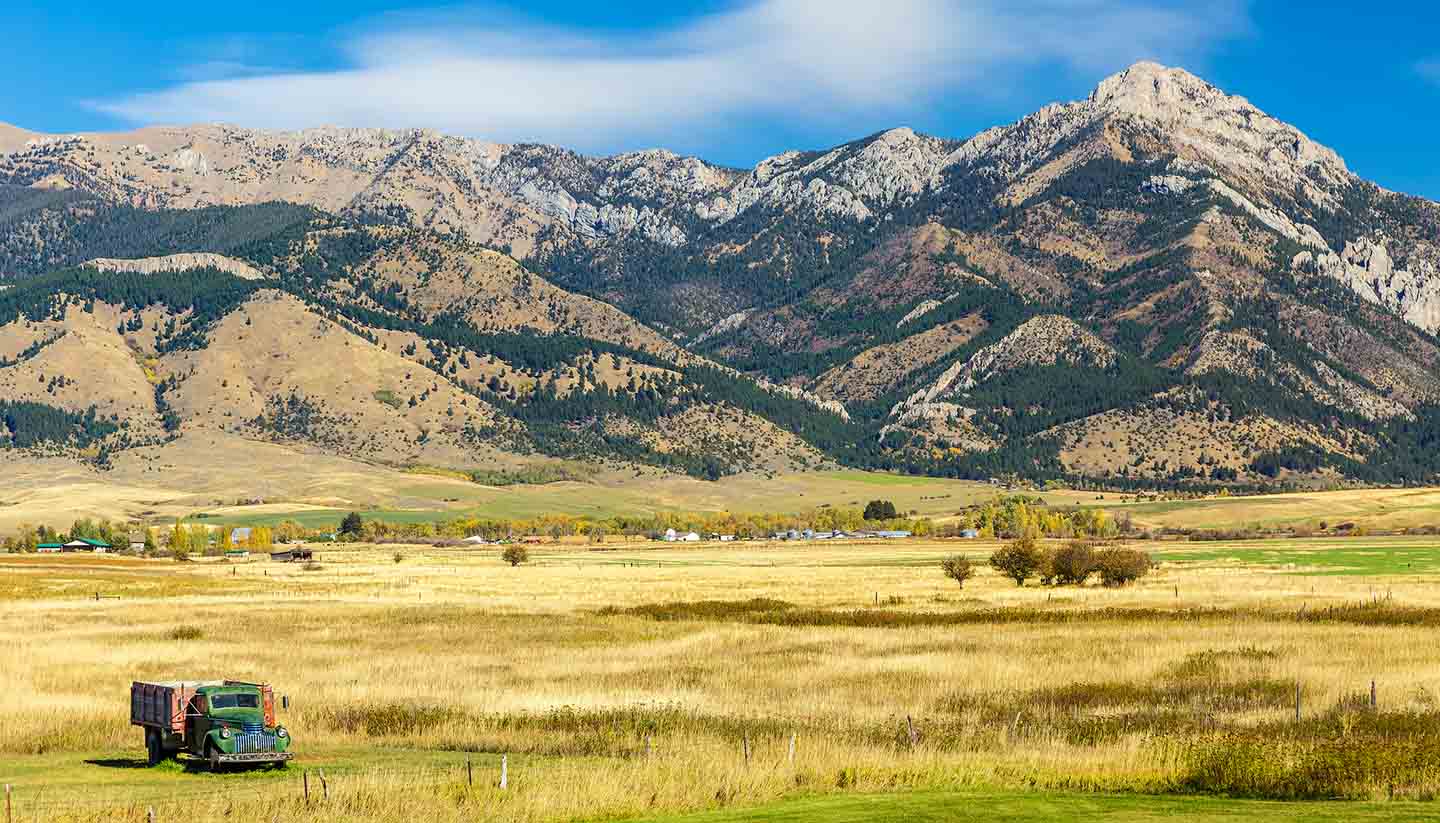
(197, 723)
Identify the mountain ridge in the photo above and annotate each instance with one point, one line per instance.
(1236, 275)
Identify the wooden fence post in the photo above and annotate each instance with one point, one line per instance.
(792, 748)
(649, 746)
(469, 773)
(745, 746)
(9, 814)
(305, 779)
(1374, 704)
(914, 735)
(150, 815)
(504, 771)
(1297, 701)
(324, 786)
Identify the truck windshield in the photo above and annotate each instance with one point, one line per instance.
(235, 701)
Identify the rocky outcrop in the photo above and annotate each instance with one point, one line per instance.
(179, 262)
(1365, 267)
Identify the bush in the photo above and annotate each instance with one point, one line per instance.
(1117, 567)
(515, 554)
(186, 633)
(1074, 563)
(1018, 560)
(957, 568)
(398, 557)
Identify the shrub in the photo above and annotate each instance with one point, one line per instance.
(1018, 560)
(958, 568)
(1117, 566)
(515, 554)
(186, 633)
(398, 557)
(1074, 563)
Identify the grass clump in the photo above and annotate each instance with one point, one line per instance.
(713, 610)
(186, 632)
(390, 719)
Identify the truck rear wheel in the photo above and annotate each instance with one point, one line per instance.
(154, 748)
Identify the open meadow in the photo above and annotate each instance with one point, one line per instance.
(650, 681)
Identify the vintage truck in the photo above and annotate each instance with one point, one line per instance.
(222, 721)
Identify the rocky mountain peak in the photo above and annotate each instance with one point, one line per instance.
(1214, 124)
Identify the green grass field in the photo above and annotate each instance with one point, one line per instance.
(1325, 556)
(1019, 807)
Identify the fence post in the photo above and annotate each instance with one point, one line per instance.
(649, 747)
(792, 748)
(305, 779)
(745, 746)
(9, 815)
(469, 773)
(1297, 701)
(914, 735)
(504, 771)
(324, 786)
(1374, 704)
(150, 815)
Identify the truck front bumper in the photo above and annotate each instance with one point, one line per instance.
(257, 757)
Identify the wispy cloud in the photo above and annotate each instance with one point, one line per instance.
(489, 74)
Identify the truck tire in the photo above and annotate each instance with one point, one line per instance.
(212, 754)
(154, 747)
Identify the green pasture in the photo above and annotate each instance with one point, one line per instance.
(1045, 807)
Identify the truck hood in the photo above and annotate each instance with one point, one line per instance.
(239, 717)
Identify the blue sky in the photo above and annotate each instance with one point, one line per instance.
(730, 80)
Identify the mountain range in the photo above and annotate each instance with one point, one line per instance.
(1157, 285)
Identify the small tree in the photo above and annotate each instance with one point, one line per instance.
(1119, 567)
(225, 543)
(515, 554)
(880, 510)
(149, 542)
(352, 526)
(200, 540)
(179, 540)
(1018, 560)
(958, 568)
(1074, 563)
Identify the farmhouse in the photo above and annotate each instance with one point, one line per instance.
(50, 548)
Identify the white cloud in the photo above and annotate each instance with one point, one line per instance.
(493, 76)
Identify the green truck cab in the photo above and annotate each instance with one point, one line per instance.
(224, 722)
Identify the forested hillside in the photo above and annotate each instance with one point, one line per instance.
(1159, 285)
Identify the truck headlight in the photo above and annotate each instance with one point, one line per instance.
(280, 732)
(224, 732)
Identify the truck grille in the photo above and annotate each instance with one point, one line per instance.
(250, 743)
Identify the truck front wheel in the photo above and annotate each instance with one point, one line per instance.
(213, 755)
(154, 747)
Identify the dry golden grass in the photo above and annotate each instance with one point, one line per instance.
(399, 671)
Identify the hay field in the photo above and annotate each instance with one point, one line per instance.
(1374, 508)
(629, 682)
